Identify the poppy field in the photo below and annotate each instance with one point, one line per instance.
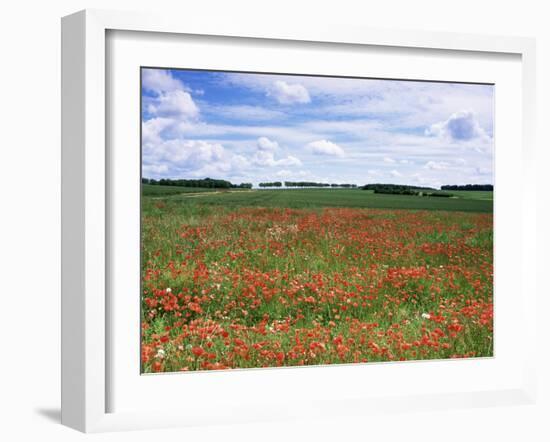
(248, 280)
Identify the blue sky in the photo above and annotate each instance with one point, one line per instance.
(259, 127)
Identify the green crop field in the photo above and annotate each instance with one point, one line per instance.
(473, 194)
(318, 198)
(156, 190)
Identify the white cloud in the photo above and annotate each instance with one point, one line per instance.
(265, 143)
(286, 93)
(388, 160)
(178, 158)
(152, 129)
(460, 126)
(154, 169)
(395, 174)
(160, 80)
(283, 173)
(171, 97)
(436, 165)
(176, 103)
(266, 158)
(325, 147)
(265, 155)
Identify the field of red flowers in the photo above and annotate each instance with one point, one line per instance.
(226, 288)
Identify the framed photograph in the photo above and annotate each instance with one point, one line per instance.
(264, 223)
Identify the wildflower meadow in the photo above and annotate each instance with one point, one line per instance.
(238, 286)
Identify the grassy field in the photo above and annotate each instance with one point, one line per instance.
(156, 190)
(317, 198)
(317, 276)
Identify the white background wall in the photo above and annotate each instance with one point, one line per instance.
(30, 213)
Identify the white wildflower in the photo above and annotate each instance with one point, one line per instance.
(426, 315)
(160, 353)
(168, 290)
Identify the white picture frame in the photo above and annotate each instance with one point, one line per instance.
(86, 209)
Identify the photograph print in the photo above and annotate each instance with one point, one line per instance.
(293, 220)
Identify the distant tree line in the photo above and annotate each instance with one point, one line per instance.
(272, 184)
(402, 189)
(205, 182)
(344, 186)
(386, 188)
(487, 187)
(305, 184)
(314, 184)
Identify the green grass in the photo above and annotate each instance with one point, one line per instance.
(157, 190)
(473, 194)
(318, 198)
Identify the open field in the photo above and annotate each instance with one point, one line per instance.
(317, 198)
(485, 195)
(156, 190)
(315, 276)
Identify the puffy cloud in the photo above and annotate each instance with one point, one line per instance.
(388, 160)
(266, 158)
(325, 147)
(152, 129)
(170, 97)
(265, 155)
(460, 126)
(179, 158)
(177, 103)
(266, 144)
(286, 93)
(159, 80)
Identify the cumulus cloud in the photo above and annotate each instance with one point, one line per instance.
(286, 93)
(177, 103)
(265, 155)
(177, 157)
(169, 96)
(266, 144)
(160, 80)
(325, 147)
(460, 126)
(388, 160)
(152, 129)
(266, 158)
